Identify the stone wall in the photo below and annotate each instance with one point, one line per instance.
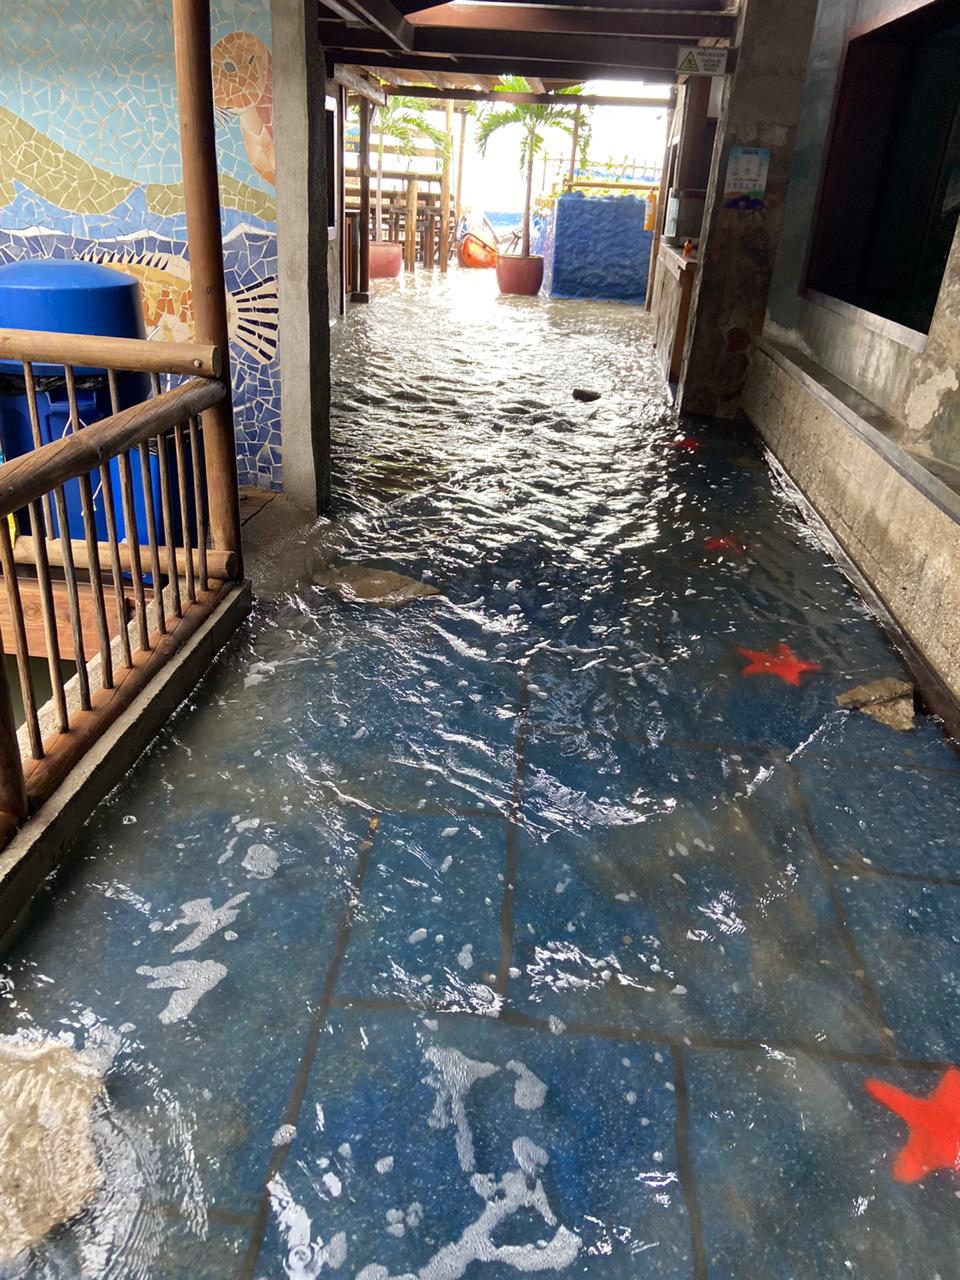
(761, 106)
(911, 377)
(90, 167)
(898, 524)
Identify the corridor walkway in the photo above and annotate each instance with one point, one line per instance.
(558, 923)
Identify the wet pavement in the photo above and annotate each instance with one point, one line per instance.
(555, 924)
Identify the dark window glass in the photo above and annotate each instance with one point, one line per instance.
(891, 189)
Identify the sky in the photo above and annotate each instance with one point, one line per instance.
(637, 133)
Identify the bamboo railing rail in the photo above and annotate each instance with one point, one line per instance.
(103, 550)
(193, 359)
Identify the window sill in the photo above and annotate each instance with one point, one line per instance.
(889, 329)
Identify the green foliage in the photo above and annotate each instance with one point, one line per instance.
(404, 121)
(534, 119)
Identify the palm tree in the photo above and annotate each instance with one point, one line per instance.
(534, 119)
(403, 120)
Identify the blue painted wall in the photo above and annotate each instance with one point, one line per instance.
(600, 249)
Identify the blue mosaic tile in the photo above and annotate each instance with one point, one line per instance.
(425, 1143)
(427, 928)
(646, 904)
(908, 935)
(898, 819)
(792, 1164)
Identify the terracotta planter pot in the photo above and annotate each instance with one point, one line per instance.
(517, 274)
(386, 259)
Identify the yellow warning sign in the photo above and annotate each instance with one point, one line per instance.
(695, 61)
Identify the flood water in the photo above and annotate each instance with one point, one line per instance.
(554, 924)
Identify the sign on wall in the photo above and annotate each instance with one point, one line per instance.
(694, 61)
(746, 183)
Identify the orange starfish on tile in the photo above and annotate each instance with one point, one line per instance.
(688, 443)
(781, 661)
(933, 1141)
(729, 542)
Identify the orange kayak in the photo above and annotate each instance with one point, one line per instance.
(474, 252)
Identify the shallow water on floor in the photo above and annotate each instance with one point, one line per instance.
(556, 923)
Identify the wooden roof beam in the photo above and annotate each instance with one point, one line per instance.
(355, 82)
(507, 65)
(480, 95)
(509, 49)
(379, 14)
(572, 20)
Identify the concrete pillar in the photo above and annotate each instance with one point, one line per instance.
(761, 107)
(932, 409)
(299, 92)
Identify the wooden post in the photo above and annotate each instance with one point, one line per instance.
(410, 228)
(693, 129)
(575, 142)
(13, 789)
(463, 146)
(445, 193)
(361, 292)
(191, 42)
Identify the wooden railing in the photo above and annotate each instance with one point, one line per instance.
(104, 549)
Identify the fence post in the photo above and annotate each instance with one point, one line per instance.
(445, 194)
(13, 790)
(191, 41)
(410, 227)
(361, 292)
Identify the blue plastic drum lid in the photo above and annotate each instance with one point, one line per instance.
(61, 296)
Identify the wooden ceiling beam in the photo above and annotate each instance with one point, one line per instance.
(355, 82)
(510, 49)
(410, 7)
(512, 65)
(480, 95)
(576, 21)
(380, 14)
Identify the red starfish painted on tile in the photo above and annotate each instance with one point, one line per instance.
(781, 661)
(688, 443)
(933, 1141)
(729, 542)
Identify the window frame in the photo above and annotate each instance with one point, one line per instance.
(914, 339)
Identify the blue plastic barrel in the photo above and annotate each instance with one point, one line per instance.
(62, 296)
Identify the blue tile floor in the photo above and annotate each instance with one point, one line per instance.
(557, 924)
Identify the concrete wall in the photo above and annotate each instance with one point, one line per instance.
(911, 377)
(761, 107)
(90, 167)
(304, 253)
(899, 525)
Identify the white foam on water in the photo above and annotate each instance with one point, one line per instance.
(453, 1076)
(206, 919)
(529, 1091)
(190, 980)
(260, 861)
(306, 1258)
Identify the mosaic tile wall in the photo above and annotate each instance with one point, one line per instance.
(90, 168)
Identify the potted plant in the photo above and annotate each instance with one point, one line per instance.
(522, 273)
(403, 121)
